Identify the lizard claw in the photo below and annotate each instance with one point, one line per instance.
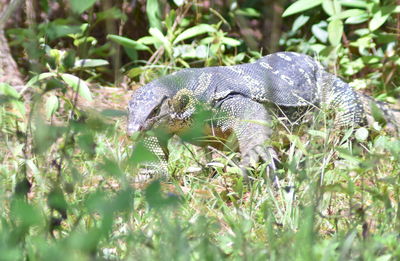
(264, 154)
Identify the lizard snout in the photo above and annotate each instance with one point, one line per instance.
(132, 129)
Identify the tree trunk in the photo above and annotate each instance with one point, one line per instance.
(272, 17)
(8, 67)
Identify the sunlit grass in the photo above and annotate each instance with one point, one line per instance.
(334, 198)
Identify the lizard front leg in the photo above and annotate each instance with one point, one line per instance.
(249, 121)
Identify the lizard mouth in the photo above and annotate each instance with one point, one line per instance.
(149, 124)
(155, 121)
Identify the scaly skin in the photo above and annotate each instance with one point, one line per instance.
(238, 99)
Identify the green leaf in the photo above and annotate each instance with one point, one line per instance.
(79, 6)
(55, 30)
(317, 133)
(385, 38)
(86, 143)
(56, 200)
(123, 200)
(87, 40)
(319, 31)
(126, 42)
(185, 51)
(348, 13)
(346, 154)
(51, 106)
(194, 31)
(132, 53)
(136, 71)
(154, 14)
(20, 107)
(300, 6)
(45, 135)
(8, 90)
(385, 257)
(87, 63)
(318, 48)
(335, 31)
(86, 241)
(9, 94)
(170, 19)
(78, 85)
(346, 136)
(147, 40)
(161, 38)
(354, 3)
(111, 168)
(25, 214)
(331, 7)
(155, 196)
(39, 77)
(336, 187)
(113, 13)
(299, 22)
(142, 154)
(201, 52)
(373, 59)
(380, 18)
(357, 19)
(377, 113)
(230, 41)
(249, 12)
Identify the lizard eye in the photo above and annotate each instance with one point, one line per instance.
(155, 112)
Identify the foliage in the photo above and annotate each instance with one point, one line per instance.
(176, 44)
(70, 188)
(359, 36)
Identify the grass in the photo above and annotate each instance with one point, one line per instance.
(337, 198)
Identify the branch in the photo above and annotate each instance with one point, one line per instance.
(5, 15)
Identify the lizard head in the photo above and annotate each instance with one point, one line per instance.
(147, 106)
